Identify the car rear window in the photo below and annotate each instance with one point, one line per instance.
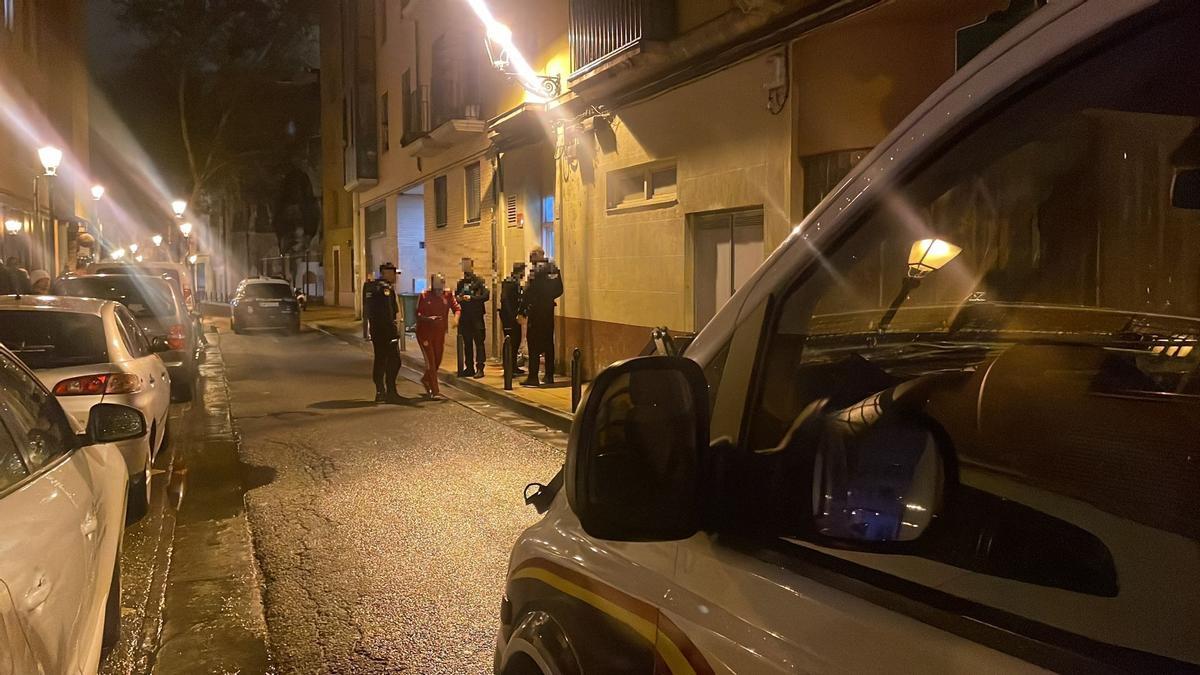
(47, 339)
(145, 299)
(268, 291)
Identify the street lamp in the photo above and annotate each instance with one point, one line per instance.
(97, 192)
(13, 226)
(133, 247)
(157, 239)
(137, 258)
(118, 253)
(178, 207)
(185, 229)
(50, 157)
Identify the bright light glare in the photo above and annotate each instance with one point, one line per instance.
(118, 253)
(193, 258)
(13, 226)
(500, 34)
(185, 229)
(50, 157)
(930, 255)
(157, 239)
(133, 247)
(137, 258)
(178, 207)
(97, 192)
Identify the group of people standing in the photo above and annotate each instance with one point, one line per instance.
(526, 306)
(15, 279)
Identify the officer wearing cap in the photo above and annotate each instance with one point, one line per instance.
(379, 311)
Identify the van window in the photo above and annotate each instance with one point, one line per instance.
(999, 370)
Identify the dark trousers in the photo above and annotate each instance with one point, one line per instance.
(541, 345)
(513, 331)
(387, 364)
(473, 350)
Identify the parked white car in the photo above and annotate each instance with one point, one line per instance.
(950, 425)
(93, 351)
(62, 501)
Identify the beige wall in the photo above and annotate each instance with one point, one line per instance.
(337, 214)
(630, 267)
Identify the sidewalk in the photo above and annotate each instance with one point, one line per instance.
(550, 406)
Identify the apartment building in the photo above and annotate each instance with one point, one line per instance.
(658, 150)
(44, 99)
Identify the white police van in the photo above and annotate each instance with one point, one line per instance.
(952, 424)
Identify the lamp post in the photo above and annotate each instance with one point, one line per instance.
(51, 158)
(185, 228)
(97, 195)
(178, 207)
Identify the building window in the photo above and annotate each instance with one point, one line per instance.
(547, 209)
(473, 192)
(384, 122)
(376, 220)
(647, 185)
(439, 201)
(822, 173)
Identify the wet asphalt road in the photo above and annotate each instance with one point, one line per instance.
(381, 531)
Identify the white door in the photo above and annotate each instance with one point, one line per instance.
(728, 247)
(52, 534)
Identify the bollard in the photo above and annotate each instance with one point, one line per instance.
(576, 377)
(508, 363)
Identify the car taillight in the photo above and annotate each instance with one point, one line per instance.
(176, 337)
(95, 385)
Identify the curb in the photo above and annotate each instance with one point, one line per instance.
(546, 416)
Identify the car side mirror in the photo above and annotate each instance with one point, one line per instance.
(110, 423)
(159, 345)
(1185, 189)
(634, 468)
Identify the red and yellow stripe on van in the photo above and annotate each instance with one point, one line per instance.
(673, 649)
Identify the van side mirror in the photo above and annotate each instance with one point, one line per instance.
(110, 423)
(159, 345)
(1185, 189)
(634, 469)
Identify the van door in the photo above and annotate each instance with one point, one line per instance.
(969, 439)
(49, 546)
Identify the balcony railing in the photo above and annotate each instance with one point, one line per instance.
(600, 29)
(416, 114)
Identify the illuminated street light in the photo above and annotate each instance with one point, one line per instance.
(157, 239)
(133, 247)
(50, 157)
(13, 226)
(178, 207)
(193, 258)
(185, 229)
(137, 258)
(97, 192)
(117, 254)
(510, 60)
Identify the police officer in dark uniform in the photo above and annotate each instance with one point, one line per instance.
(472, 295)
(379, 311)
(510, 307)
(544, 287)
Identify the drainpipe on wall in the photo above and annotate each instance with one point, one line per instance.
(497, 258)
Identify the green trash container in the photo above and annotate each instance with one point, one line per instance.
(410, 311)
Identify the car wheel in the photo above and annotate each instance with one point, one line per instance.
(112, 611)
(139, 496)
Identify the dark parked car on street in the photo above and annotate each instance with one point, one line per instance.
(264, 303)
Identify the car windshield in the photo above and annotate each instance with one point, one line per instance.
(267, 291)
(50, 339)
(144, 297)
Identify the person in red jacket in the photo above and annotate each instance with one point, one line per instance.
(433, 310)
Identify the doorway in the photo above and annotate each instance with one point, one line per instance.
(337, 275)
(410, 240)
(728, 247)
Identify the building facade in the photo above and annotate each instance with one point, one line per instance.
(44, 99)
(658, 151)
